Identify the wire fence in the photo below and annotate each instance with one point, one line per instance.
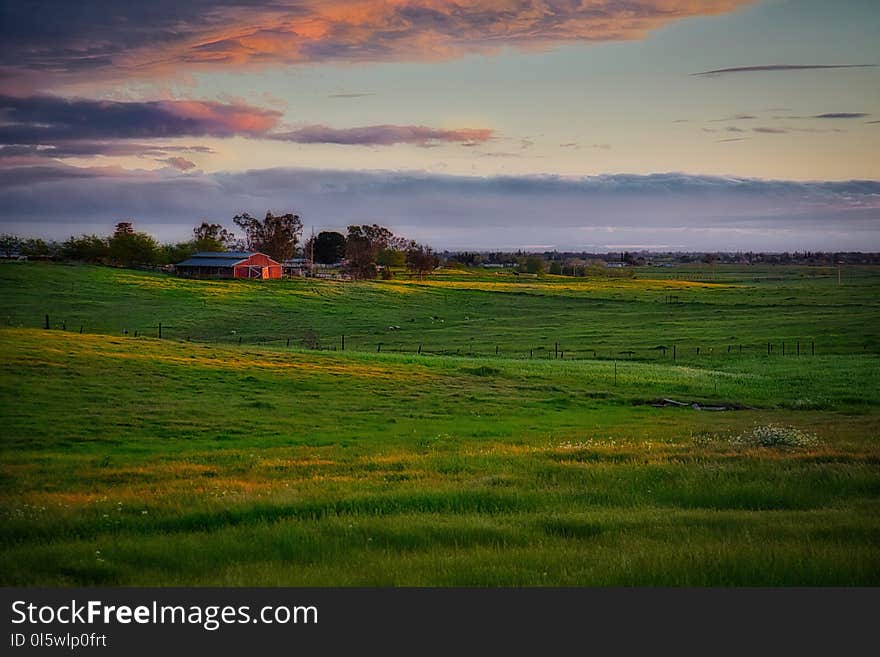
(556, 350)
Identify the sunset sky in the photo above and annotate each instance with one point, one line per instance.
(535, 124)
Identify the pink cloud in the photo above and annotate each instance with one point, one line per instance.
(127, 39)
(384, 135)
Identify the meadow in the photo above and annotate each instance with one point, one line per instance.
(526, 445)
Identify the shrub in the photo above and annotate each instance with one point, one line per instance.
(774, 435)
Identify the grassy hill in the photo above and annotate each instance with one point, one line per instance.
(198, 460)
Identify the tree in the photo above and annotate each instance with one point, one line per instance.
(391, 258)
(87, 248)
(363, 244)
(170, 254)
(128, 247)
(421, 259)
(212, 237)
(34, 246)
(555, 268)
(534, 265)
(10, 245)
(276, 236)
(328, 247)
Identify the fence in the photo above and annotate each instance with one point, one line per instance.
(558, 350)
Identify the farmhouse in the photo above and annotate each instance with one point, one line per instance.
(231, 264)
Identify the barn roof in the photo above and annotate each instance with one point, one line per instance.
(216, 259)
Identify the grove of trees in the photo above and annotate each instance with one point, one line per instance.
(364, 245)
(327, 247)
(277, 235)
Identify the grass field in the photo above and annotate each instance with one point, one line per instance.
(198, 460)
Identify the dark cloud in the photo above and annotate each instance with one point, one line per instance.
(179, 163)
(73, 149)
(50, 119)
(53, 127)
(698, 212)
(841, 115)
(827, 115)
(779, 67)
(383, 135)
(771, 131)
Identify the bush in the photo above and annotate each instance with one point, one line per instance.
(774, 435)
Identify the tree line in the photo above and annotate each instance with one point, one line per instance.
(365, 251)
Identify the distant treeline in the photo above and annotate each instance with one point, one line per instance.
(647, 258)
(366, 251)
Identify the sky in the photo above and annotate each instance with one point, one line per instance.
(470, 124)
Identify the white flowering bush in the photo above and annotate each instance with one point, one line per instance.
(774, 435)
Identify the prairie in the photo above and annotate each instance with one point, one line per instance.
(526, 444)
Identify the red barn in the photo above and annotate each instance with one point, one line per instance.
(230, 264)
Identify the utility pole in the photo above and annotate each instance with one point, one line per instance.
(312, 252)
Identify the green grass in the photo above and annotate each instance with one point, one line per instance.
(138, 461)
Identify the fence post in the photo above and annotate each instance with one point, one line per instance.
(769, 348)
(673, 352)
(812, 347)
(288, 342)
(378, 347)
(556, 350)
(783, 347)
(799, 348)
(420, 348)
(80, 328)
(160, 330)
(343, 342)
(496, 349)
(47, 322)
(239, 339)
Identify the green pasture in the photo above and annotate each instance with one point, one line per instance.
(198, 460)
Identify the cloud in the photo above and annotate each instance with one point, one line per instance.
(384, 135)
(53, 127)
(698, 212)
(87, 149)
(351, 95)
(771, 131)
(75, 41)
(51, 119)
(779, 67)
(736, 117)
(841, 115)
(179, 163)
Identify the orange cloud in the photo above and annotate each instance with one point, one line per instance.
(127, 39)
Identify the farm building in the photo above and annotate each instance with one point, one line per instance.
(231, 264)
